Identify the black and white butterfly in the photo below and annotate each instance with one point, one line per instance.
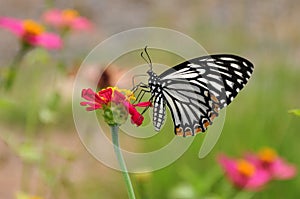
(196, 90)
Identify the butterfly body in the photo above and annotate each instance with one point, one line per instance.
(196, 90)
(159, 108)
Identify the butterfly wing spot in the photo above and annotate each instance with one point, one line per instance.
(214, 98)
(206, 124)
(213, 116)
(238, 73)
(228, 93)
(234, 65)
(227, 59)
(229, 83)
(198, 130)
(245, 64)
(240, 81)
(179, 131)
(206, 93)
(188, 133)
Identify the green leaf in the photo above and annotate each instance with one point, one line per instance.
(183, 190)
(38, 55)
(295, 112)
(29, 152)
(5, 103)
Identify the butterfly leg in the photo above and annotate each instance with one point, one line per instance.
(133, 82)
(150, 100)
(142, 92)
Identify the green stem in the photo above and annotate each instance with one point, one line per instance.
(142, 190)
(115, 139)
(243, 195)
(13, 69)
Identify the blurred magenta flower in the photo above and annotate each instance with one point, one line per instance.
(68, 19)
(268, 160)
(31, 33)
(115, 104)
(243, 173)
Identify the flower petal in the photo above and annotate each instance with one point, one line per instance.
(258, 180)
(118, 97)
(143, 104)
(88, 94)
(53, 17)
(81, 23)
(57, 19)
(95, 100)
(48, 40)
(105, 94)
(137, 118)
(278, 169)
(282, 170)
(13, 25)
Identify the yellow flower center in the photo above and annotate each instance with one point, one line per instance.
(128, 93)
(69, 14)
(245, 167)
(32, 27)
(267, 155)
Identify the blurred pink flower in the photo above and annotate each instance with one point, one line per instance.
(268, 160)
(243, 173)
(31, 33)
(66, 19)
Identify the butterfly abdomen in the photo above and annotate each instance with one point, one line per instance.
(159, 106)
(159, 112)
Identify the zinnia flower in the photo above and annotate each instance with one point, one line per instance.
(269, 160)
(66, 20)
(114, 104)
(31, 33)
(243, 173)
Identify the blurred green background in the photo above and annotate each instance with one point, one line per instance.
(57, 164)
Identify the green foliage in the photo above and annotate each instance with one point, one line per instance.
(295, 112)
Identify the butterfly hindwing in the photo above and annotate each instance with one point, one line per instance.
(190, 106)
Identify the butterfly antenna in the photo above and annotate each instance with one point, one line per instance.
(148, 61)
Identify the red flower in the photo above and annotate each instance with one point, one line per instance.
(243, 173)
(31, 33)
(96, 100)
(111, 95)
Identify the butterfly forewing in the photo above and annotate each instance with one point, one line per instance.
(226, 74)
(197, 89)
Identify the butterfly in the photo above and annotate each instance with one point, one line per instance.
(195, 90)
